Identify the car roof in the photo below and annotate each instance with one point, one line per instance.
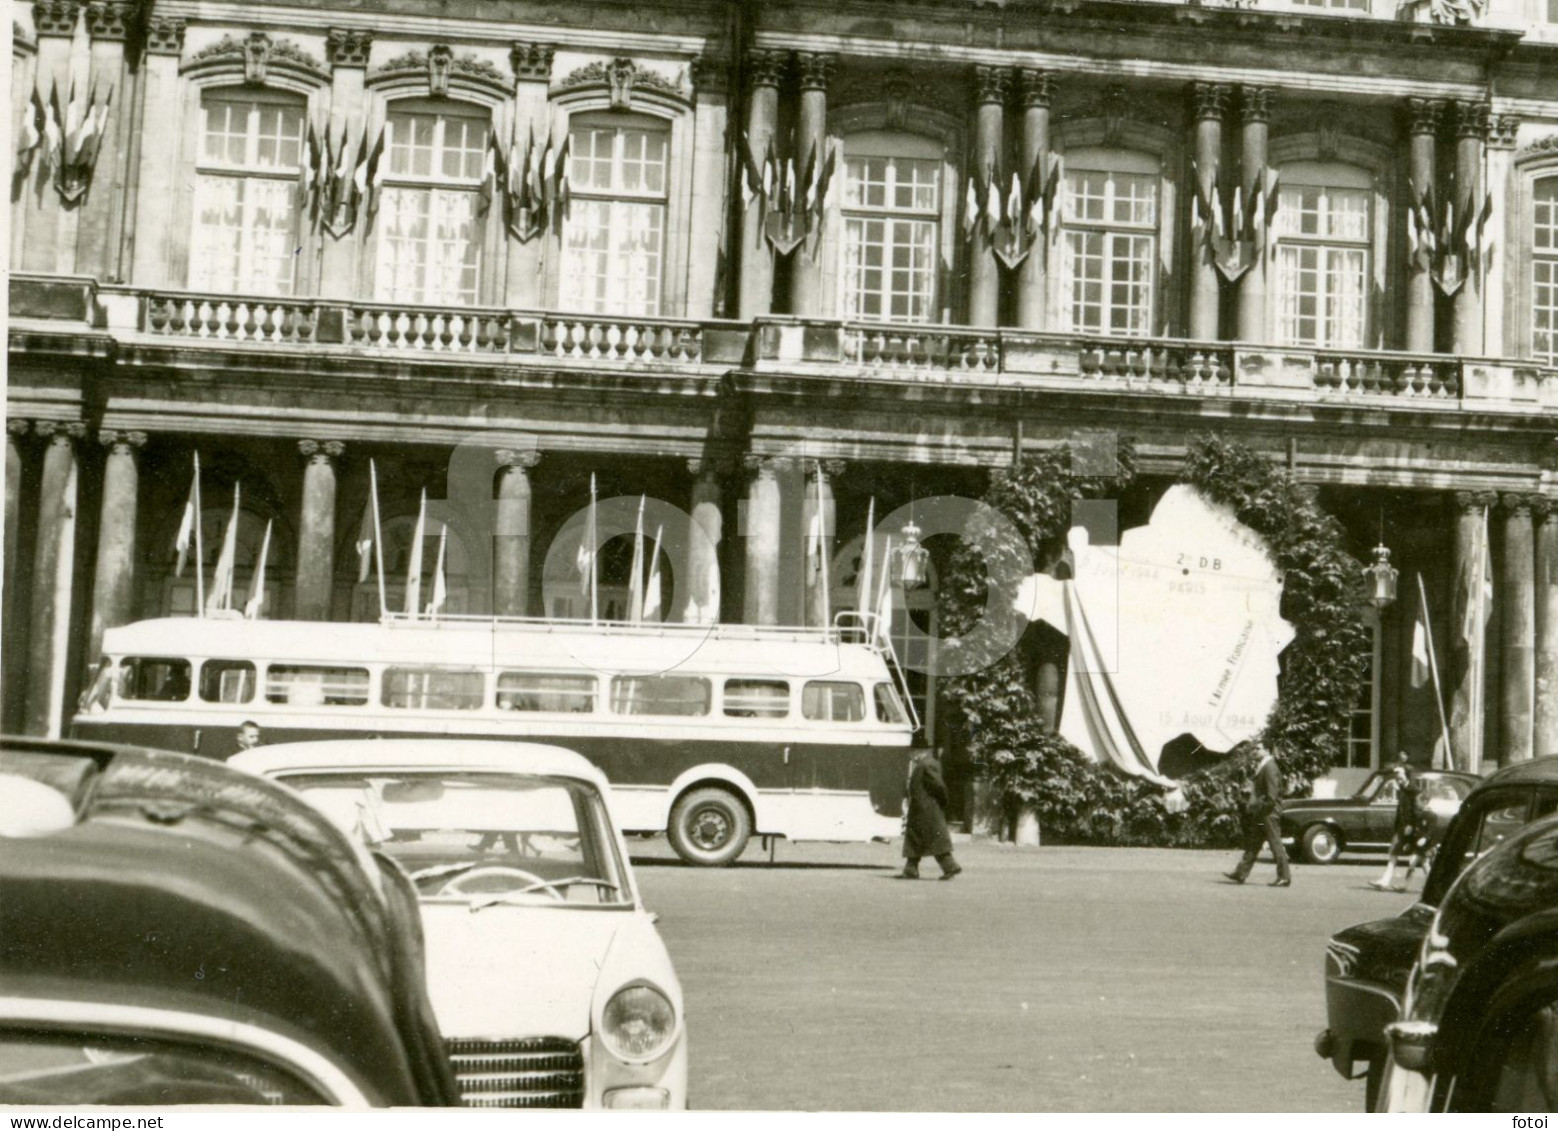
(1528, 772)
(490, 755)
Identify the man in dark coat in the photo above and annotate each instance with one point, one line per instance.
(1260, 821)
(925, 826)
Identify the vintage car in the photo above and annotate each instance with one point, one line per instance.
(179, 932)
(1479, 1031)
(1366, 965)
(1323, 828)
(547, 974)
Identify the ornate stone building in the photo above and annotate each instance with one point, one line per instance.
(760, 259)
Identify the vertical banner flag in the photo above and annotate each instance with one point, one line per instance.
(636, 577)
(365, 540)
(884, 598)
(440, 587)
(652, 596)
(1419, 652)
(414, 567)
(187, 524)
(222, 580)
(256, 601)
(378, 534)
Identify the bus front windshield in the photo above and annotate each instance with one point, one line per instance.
(486, 838)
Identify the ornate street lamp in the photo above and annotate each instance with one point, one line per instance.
(1380, 578)
(913, 559)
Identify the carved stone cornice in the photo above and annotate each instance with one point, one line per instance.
(1423, 115)
(532, 62)
(991, 84)
(814, 69)
(441, 68)
(55, 17)
(164, 35)
(257, 55)
(1255, 104)
(321, 451)
(623, 80)
(348, 47)
(766, 68)
(1035, 88)
(118, 440)
(1471, 120)
(516, 459)
(1209, 100)
(110, 19)
(1502, 130)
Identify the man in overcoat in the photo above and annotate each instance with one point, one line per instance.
(925, 826)
(1260, 820)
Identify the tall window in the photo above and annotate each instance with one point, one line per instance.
(1111, 225)
(246, 205)
(614, 235)
(1323, 234)
(892, 226)
(429, 238)
(1544, 271)
(1363, 723)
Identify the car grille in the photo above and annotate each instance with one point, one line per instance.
(536, 1072)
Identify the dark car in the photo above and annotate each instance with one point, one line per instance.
(175, 931)
(1323, 828)
(1479, 1032)
(1366, 966)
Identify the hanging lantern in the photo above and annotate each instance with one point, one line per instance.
(913, 559)
(1380, 578)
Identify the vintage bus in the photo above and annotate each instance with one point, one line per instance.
(710, 733)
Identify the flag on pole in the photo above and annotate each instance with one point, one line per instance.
(414, 567)
(1419, 653)
(652, 598)
(222, 580)
(884, 597)
(187, 523)
(440, 588)
(866, 580)
(587, 559)
(256, 601)
(365, 541)
(636, 575)
(378, 534)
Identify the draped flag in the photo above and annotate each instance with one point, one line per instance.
(652, 596)
(884, 597)
(221, 596)
(414, 567)
(440, 585)
(368, 180)
(588, 558)
(188, 525)
(256, 601)
(378, 534)
(636, 575)
(33, 121)
(365, 541)
(1419, 653)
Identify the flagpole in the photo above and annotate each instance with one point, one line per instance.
(822, 552)
(1433, 670)
(594, 556)
(378, 536)
(1479, 655)
(200, 553)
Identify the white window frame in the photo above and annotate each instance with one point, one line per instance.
(1543, 214)
(1111, 162)
(922, 219)
(1327, 177)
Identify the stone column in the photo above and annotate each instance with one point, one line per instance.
(532, 63)
(12, 675)
(156, 182)
(113, 589)
(1255, 126)
(1500, 234)
(1036, 89)
(316, 532)
(1209, 101)
(819, 579)
(1544, 739)
(707, 277)
(811, 142)
(108, 23)
(54, 563)
(984, 273)
(764, 515)
(1422, 116)
(1516, 594)
(702, 572)
(1471, 127)
(347, 50)
(756, 296)
(54, 22)
(511, 534)
(1459, 672)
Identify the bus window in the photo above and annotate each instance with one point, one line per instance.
(832, 701)
(158, 679)
(757, 698)
(889, 708)
(303, 685)
(433, 689)
(537, 691)
(660, 695)
(227, 681)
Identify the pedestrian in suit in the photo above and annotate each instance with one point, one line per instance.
(925, 825)
(1260, 820)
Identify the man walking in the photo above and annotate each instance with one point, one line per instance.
(925, 826)
(1260, 820)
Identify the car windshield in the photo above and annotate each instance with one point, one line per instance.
(485, 838)
(1369, 789)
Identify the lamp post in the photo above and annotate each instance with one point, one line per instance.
(913, 559)
(1380, 578)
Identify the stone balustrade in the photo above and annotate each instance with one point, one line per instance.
(234, 319)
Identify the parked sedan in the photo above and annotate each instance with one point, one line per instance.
(1323, 828)
(547, 974)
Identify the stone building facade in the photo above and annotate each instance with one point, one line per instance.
(757, 260)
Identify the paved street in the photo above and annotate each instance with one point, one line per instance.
(1062, 979)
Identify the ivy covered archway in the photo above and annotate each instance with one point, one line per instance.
(997, 711)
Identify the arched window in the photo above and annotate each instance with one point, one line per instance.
(892, 228)
(429, 231)
(614, 234)
(246, 193)
(1324, 234)
(1544, 271)
(1110, 241)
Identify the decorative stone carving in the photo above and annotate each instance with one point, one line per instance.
(1209, 100)
(440, 60)
(1035, 88)
(898, 96)
(1475, 500)
(441, 66)
(110, 19)
(765, 68)
(1548, 144)
(1424, 115)
(1471, 120)
(55, 17)
(621, 77)
(1516, 503)
(164, 36)
(321, 451)
(1255, 104)
(523, 460)
(1114, 109)
(814, 69)
(991, 84)
(532, 62)
(17, 427)
(257, 55)
(1503, 130)
(348, 47)
(116, 440)
(60, 431)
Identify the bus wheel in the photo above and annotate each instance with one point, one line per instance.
(709, 827)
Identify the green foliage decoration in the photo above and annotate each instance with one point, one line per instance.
(1080, 801)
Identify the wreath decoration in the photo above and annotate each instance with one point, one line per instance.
(997, 713)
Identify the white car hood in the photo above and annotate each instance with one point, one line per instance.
(517, 971)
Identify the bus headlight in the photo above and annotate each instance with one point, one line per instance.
(638, 1022)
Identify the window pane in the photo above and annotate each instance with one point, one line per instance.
(890, 269)
(757, 698)
(534, 691)
(889, 708)
(660, 695)
(833, 701)
(306, 686)
(227, 681)
(1544, 268)
(428, 250)
(154, 678)
(612, 252)
(1111, 272)
(432, 689)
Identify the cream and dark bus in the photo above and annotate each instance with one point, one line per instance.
(709, 733)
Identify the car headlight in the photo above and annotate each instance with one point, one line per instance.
(638, 1022)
